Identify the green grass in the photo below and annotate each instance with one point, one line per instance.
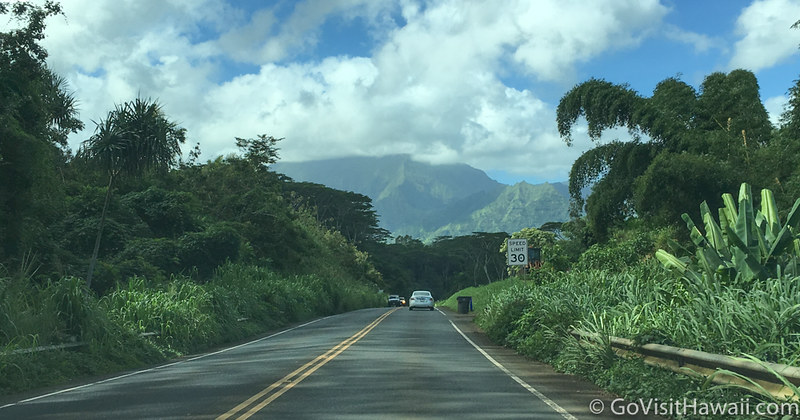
(481, 295)
(648, 305)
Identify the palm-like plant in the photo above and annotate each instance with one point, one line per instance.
(135, 138)
(746, 245)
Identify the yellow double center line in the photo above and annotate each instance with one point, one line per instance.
(286, 383)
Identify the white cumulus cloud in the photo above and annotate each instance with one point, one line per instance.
(431, 78)
(766, 34)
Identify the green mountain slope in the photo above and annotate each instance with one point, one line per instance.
(425, 201)
(518, 206)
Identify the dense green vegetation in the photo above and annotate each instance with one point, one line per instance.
(137, 255)
(443, 266)
(680, 303)
(733, 290)
(728, 283)
(140, 255)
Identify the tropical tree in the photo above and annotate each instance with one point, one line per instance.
(672, 183)
(260, 151)
(779, 162)
(348, 212)
(617, 165)
(135, 138)
(725, 121)
(36, 115)
(472, 259)
(242, 189)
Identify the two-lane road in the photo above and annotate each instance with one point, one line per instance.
(373, 363)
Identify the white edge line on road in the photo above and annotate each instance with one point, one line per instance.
(138, 372)
(517, 379)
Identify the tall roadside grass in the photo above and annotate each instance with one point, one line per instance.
(647, 304)
(44, 314)
(139, 323)
(60, 312)
(178, 314)
(238, 302)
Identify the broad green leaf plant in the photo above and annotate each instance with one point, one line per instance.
(744, 246)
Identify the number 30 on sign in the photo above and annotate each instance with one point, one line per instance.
(517, 252)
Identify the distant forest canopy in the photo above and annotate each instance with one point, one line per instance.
(128, 204)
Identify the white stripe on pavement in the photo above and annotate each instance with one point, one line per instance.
(517, 379)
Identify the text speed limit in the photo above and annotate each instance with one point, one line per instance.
(517, 252)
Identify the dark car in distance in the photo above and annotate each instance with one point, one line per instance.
(394, 300)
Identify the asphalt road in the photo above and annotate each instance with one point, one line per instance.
(368, 364)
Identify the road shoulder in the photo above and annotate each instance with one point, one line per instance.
(571, 392)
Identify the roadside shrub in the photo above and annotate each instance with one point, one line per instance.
(616, 255)
(258, 294)
(262, 295)
(208, 249)
(166, 213)
(499, 317)
(51, 314)
(555, 258)
(647, 304)
(747, 245)
(149, 255)
(23, 323)
(75, 308)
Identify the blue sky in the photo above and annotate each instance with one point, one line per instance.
(446, 81)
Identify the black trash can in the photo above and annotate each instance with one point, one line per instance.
(464, 304)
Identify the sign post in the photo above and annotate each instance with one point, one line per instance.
(518, 252)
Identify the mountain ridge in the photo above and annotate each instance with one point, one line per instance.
(425, 200)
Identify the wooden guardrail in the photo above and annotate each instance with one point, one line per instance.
(78, 344)
(46, 348)
(60, 346)
(703, 364)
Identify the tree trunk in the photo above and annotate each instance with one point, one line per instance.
(486, 269)
(93, 261)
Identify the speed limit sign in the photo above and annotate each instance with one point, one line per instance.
(517, 252)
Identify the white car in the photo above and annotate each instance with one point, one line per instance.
(421, 299)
